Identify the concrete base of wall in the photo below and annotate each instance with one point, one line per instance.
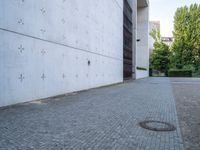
(141, 74)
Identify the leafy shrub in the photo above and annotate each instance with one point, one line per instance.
(160, 57)
(189, 67)
(180, 73)
(196, 73)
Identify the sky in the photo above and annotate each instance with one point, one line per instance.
(164, 10)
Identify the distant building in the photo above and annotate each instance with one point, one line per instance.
(153, 25)
(167, 40)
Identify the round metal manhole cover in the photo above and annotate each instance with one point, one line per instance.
(157, 125)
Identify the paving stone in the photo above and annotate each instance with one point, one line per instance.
(187, 96)
(105, 118)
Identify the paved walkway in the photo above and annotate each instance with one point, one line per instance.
(187, 95)
(103, 119)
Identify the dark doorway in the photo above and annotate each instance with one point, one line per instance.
(127, 43)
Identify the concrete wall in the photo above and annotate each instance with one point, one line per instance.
(134, 7)
(53, 47)
(140, 18)
(142, 52)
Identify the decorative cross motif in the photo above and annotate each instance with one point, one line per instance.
(43, 10)
(42, 31)
(76, 75)
(63, 20)
(21, 49)
(64, 1)
(20, 21)
(43, 76)
(43, 52)
(63, 76)
(21, 77)
(63, 55)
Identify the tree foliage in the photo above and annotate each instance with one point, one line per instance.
(159, 59)
(186, 45)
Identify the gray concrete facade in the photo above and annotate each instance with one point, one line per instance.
(49, 48)
(140, 18)
(55, 47)
(142, 50)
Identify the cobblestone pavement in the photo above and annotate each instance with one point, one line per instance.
(187, 95)
(103, 119)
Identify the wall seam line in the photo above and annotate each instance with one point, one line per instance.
(53, 42)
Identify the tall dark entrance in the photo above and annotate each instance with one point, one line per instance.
(127, 44)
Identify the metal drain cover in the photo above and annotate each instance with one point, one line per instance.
(157, 125)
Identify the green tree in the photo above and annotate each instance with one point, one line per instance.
(159, 59)
(186, 45)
